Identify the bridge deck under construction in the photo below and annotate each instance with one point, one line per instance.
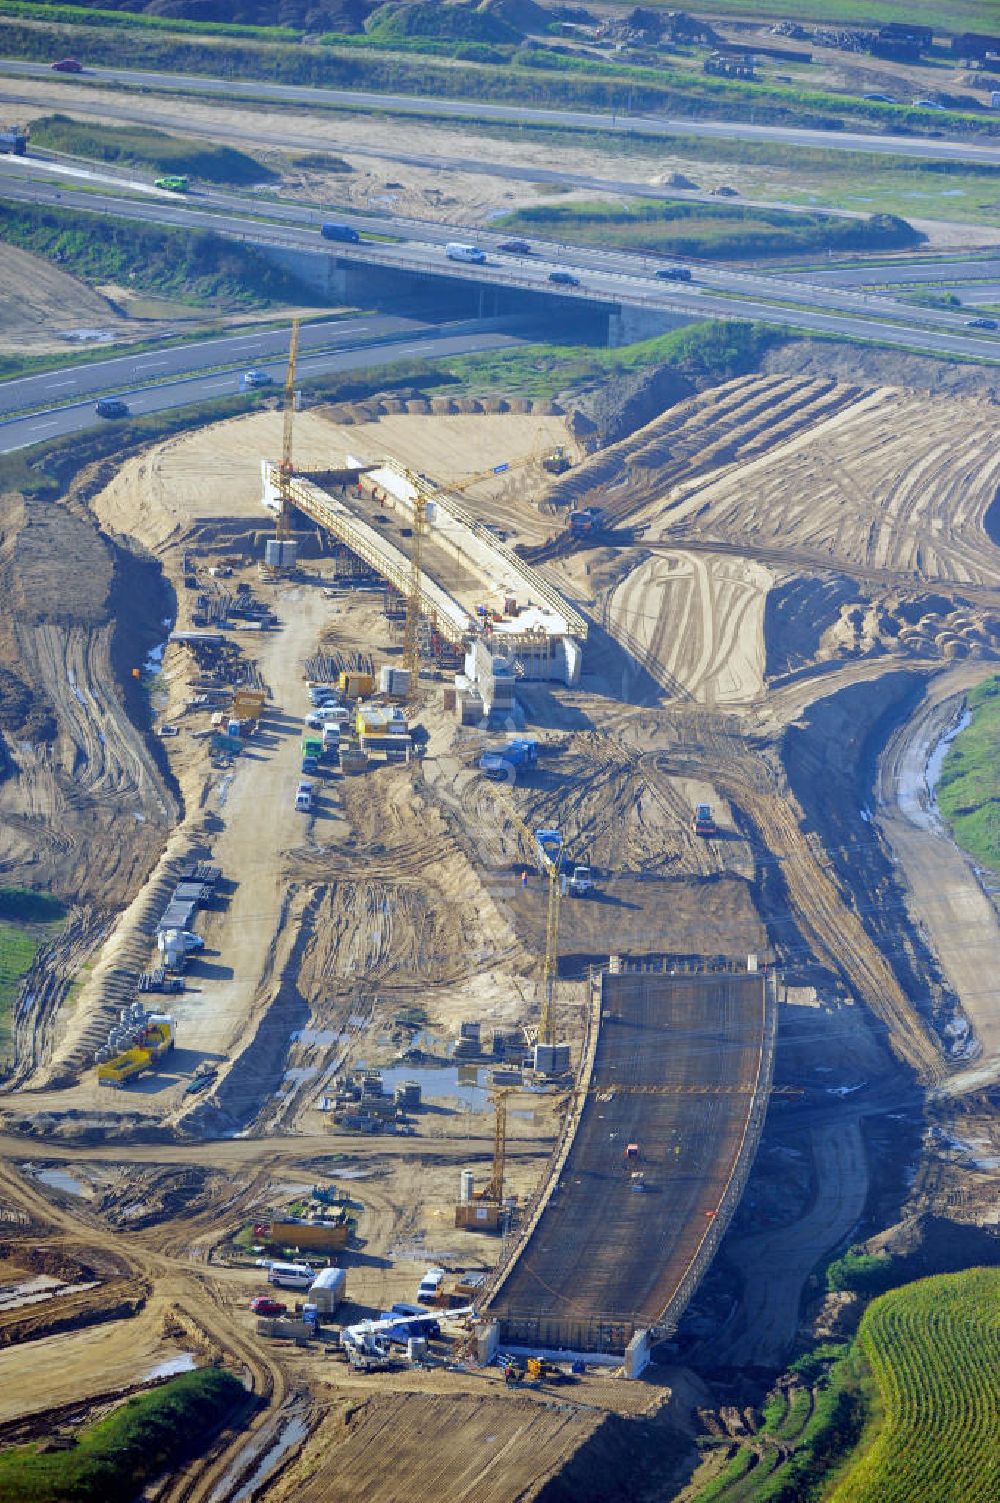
(682, 1070)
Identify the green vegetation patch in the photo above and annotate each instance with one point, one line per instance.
(708, 231)
(112, 1461)
(933, 1350)
(28, 920)
(144, 147)
(862, 1273)
(709, 350)
(429, 18)
(968, 792)
(195, 266)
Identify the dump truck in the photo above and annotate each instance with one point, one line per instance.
(556, 462)
(517, 755)
(702, 821)
(584, 520)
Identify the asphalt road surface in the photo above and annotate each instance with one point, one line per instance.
(945, 273)
(408, 104)
(266, 349)
(58, 420)
(605, 276)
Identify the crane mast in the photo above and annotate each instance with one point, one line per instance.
(282, 528)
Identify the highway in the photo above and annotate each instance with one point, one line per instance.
(606, 276)
(236, 90)
(74, 416)
(259, 349)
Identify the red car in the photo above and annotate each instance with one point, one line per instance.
(67, 65)
(264, 1305)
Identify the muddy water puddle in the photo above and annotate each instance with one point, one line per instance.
(59, 1179)
(292, 1433)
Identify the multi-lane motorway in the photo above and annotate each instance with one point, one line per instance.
(67, 413)
(615, 277)
(45, 406)
(234, 90)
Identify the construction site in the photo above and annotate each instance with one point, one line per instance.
(493, 914)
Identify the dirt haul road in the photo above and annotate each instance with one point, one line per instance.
(944, 891)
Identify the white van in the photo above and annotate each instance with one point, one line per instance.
(429, 1286)
(456, 251)
(291, 1276)
(336, 715)
(304, 798)
(331, 735)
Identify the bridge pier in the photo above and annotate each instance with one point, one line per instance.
(627, 325)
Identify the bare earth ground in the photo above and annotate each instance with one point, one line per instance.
(43, 309)
(799, 541)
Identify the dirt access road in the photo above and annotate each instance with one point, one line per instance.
(943, 889)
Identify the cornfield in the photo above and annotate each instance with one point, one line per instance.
(934, 1352)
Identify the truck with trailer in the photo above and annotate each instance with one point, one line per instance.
(141, 1039)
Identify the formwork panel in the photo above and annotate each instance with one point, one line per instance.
(681, 1071)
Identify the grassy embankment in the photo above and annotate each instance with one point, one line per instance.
(194, 266)
(113, 1460)
(968, 792)
(28, 920)
(140, 146)
(821, 177)
(706, 231)
(531, 76)
(909, 1412)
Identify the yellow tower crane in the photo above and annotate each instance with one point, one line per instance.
(493, 1189)
(283, 525)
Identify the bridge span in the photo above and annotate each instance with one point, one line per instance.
(670, 1122)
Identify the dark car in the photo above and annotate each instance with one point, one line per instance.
(515, 247)
(67, 65)
(564, 278)
(982, 323)
(264, 1305)
(674, 273)
(111, 407)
